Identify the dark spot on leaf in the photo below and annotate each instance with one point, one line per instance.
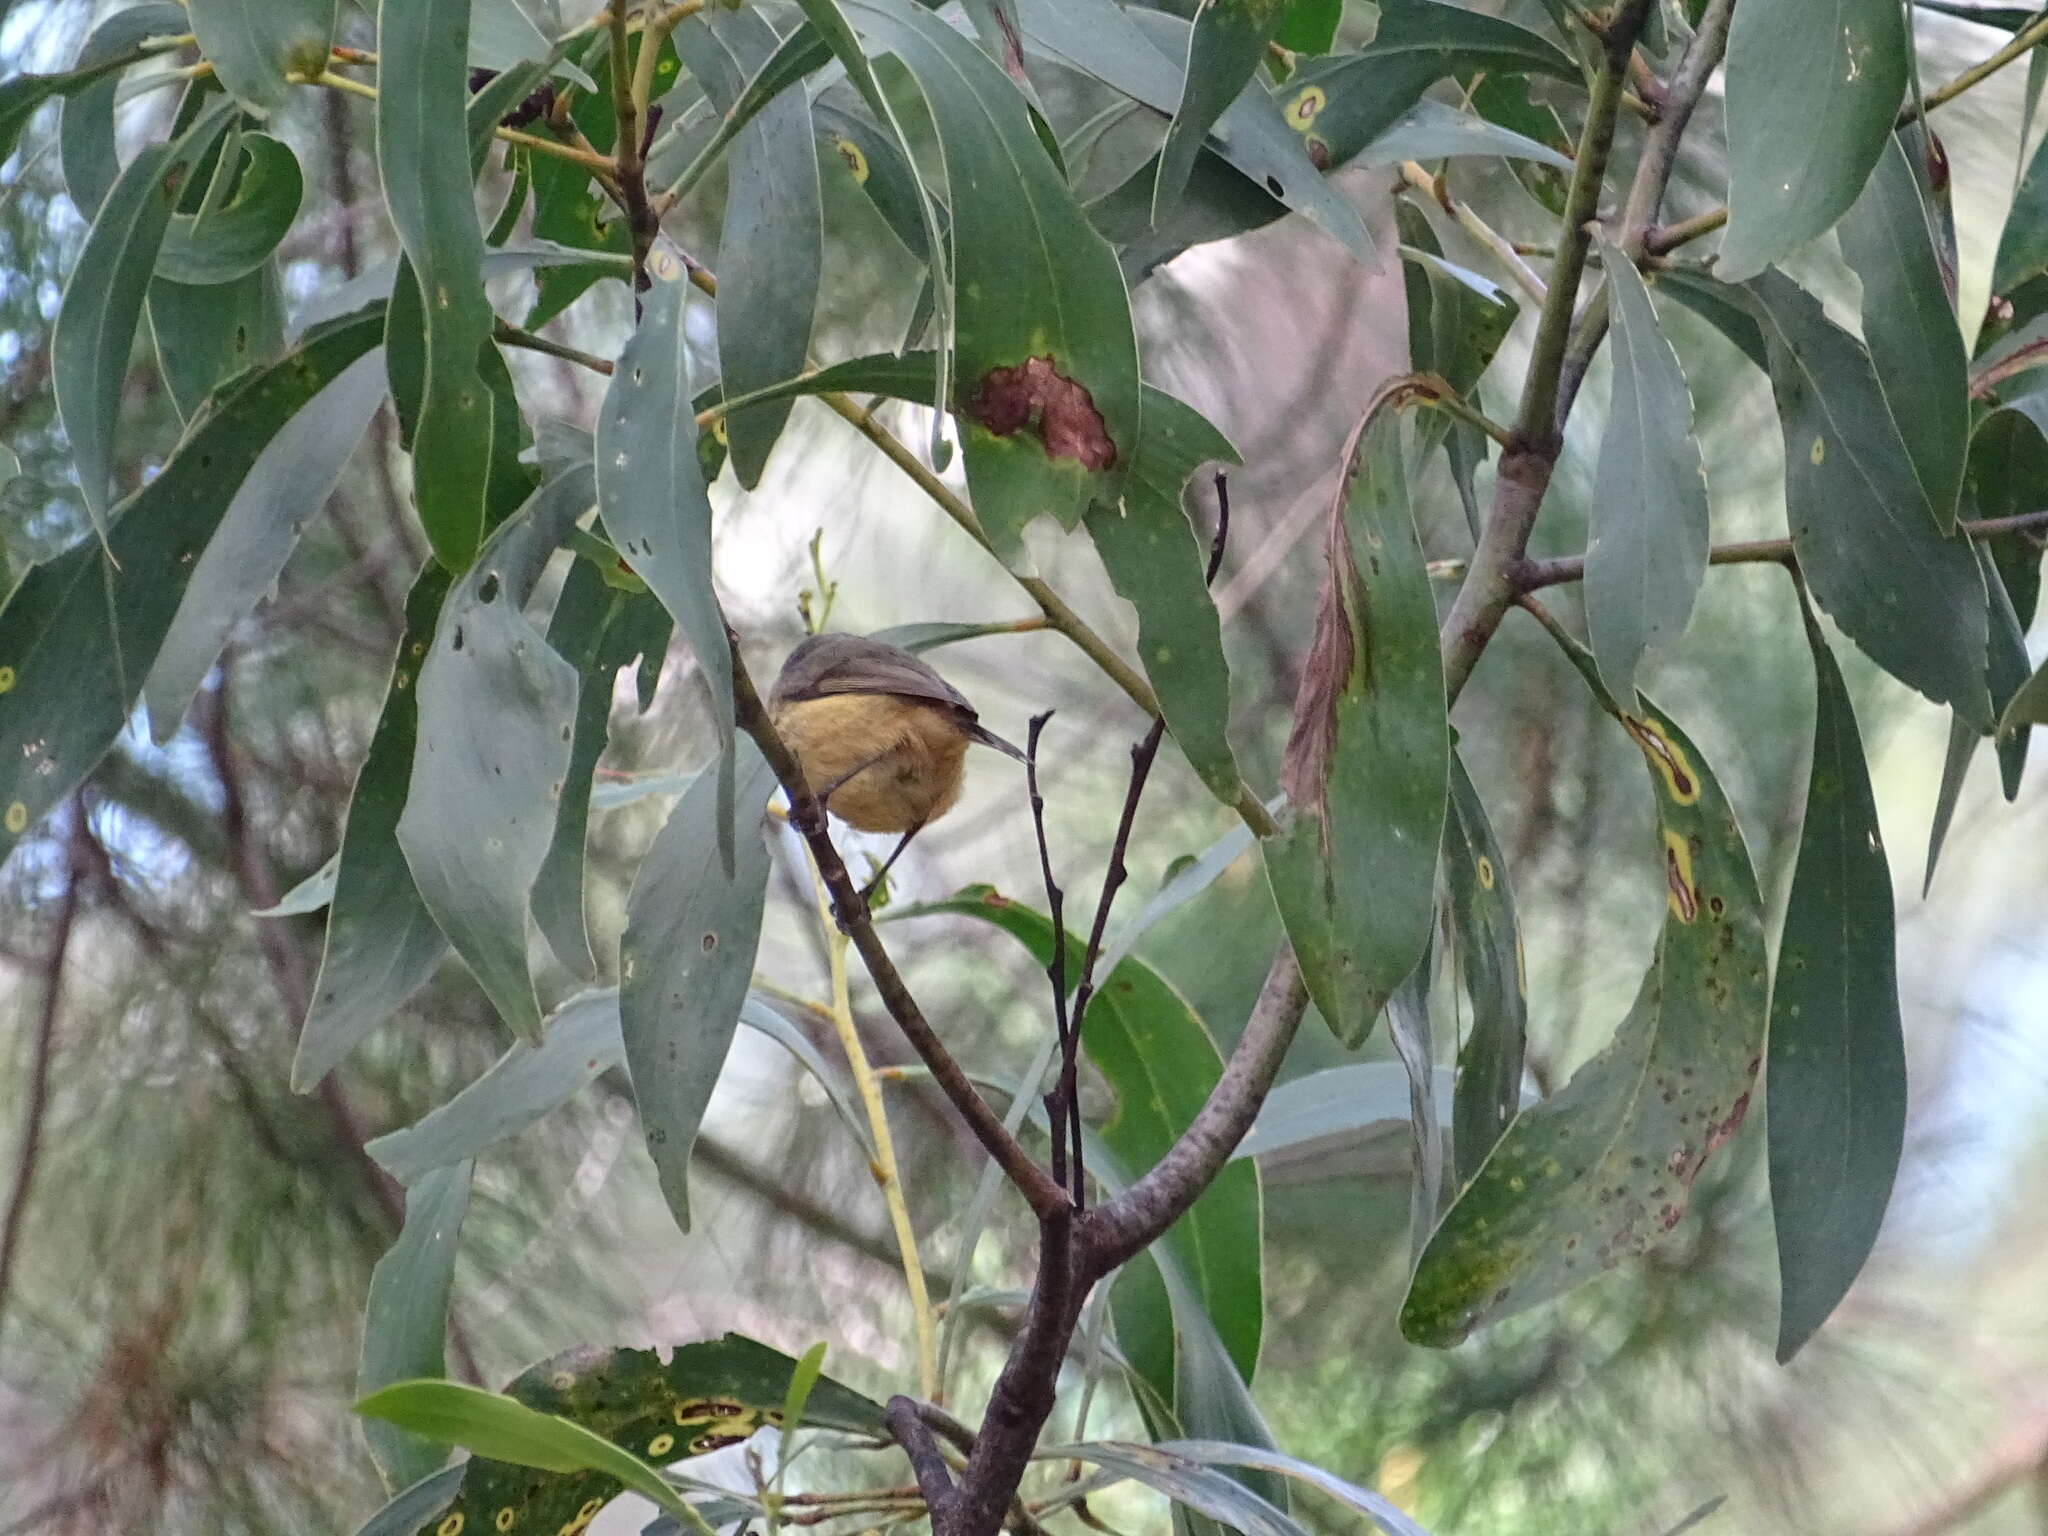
(1318, 153)
(487, 589)
(457, 644)
(1720, 1132)
(1060, 412)
(1273, 186)
(710, 942)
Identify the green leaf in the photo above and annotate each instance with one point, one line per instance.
(381, 943)
(801, 1381)
(206, 336)
(650, 487)
(1602, 1170)
(1173, 1464)
(1309, 26)
(1340, 1123)
(78, 632)
(1048, 390)
(2007, 467)
(1225, 48)
(1138, 52)
(253, 47)
(597, 629)
(236, 237)
(880, 170)
(405, 1320)
(423, 161)
(1200, 1488)
(569, 207)
(1432, 130)
(1837, 1074)
(1910, 326)
(1408, 1031)
(774, 213)
(2023, 246)
(497, 710)
(1489, 953)
(1160, 1062)
(693, 923)
(1157, 565)
(1812, 93)
(310, 895)
(1646, 550)
(295, 472)
(1457, 321)
(1862, 526)
(919, 638)
(1368, 762)
(417, 1508)
(85, 133)
(1726, 309)
(711, 1393)
(21, 95)
(2029, 705)
(102, 302)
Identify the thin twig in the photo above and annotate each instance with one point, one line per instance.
(1523, 275)
(934, 1479)
(1060, 1104)
(512, 336)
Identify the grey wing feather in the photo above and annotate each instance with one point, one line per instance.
(828, 664)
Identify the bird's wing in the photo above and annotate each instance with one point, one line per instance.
(853, 664)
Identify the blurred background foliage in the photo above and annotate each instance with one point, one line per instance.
(181, 1310)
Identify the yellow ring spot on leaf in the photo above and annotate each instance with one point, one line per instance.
(718, 430)
(6, 678)
(589, 1511)
(452, 1526)
(1484, 869)
(856, 162)
(1680, 894)
(1819, 451)
(506, 1518)
(562, 1381)
(661, 1445)
(1301, 112)
(1681, 782)
(17, 817)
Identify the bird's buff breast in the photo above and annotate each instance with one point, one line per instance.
(916, 780)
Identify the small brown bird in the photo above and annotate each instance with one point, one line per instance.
(880, 735)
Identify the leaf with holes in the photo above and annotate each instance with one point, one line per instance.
(204, 337)
(1157, 565)
(1602, 1170)
(1647, 547)
(1862, 526)
(1812, 94)
(497, 710)
(1226, 45)
(78, 632)
(405, 1319)
(1048, 389)
(1368, 761)
(1837, 1076)
(233, 238)
(709, 1394)
(693, 923)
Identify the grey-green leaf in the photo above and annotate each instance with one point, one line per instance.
(405, 1320)
(381, 942)
(220, 244)
(774, 213)
(497, 710)
(1813, 88)
(1862, 526)
(1647, 547)
(85, 133)
(205, 336)
(287, 484)
(687, 957)
(650, 487)
(1837, 1074)
(254, 46)
(1489, 953)
(1909, 326)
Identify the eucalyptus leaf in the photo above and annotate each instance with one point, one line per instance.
(220, 244)
(205, 336)
(254, 47)
(85, 132)
(1489, 953)
(405, 1320)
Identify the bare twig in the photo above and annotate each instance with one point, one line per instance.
(1063, 1120)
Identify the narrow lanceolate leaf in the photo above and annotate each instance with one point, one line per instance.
(1225, 48)
(1602, 1170)
(78, 633)
(224, 242)
(423, 163)
(418, 1508)
(1812, 92)
(1341, 1123)
(1203, 1490)
(774, 212)
(1456, 323)
(381, 943)
(102, 302)
(497, 711)
(254, 47)
(21, 95)
(1862, 526)
(709, 1394)
(650, 487)
(597, 629)
(1368, 761)
(1837, 1077)
(1408, 1031)
(1048, 389)
(405, 1320)
(204, 336)
(2023, 247)
(1910, 325)
(85, 133)
(868, 155)
(1156, 564)
(287, 484)
(1648, 547)
(1163, 1465)
(1489, 954)
(692, 926)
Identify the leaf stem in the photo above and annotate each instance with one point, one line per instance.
(1437, 188)
(884, 1168)
(512, 336)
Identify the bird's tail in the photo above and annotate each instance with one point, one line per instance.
(989, 738)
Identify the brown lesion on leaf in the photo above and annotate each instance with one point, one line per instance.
(1059, 411)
